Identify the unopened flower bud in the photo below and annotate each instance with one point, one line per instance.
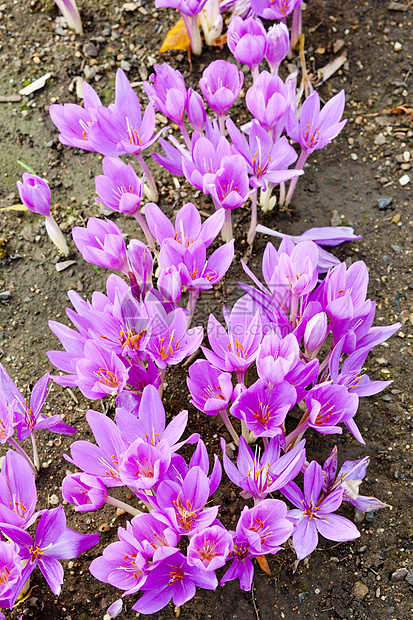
(34, 193)
(278, 44)
(315, 333)
(195, 110)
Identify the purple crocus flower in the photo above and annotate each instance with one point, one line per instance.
(169, 341)
(84, 491)
(351, 369)
(101, 243)
(6, 413)
(274, 9)
(236, 350)
(241, 567)
(328, 405)
(208, 550)
(144, 465)
(34, 193)
(148, 422)
(11, 581)
(195, 110)
(100, 372)
(168, 94)
(53, 541)
(265, 526)
(349, 479)
(195, 271)
(267, 162)
(315, 129)
(246, 40)
(119, 188)
(175, 579)
(27, 415)
(229, 186)
(207, 156)
(278, 45)
(316, 331)
(221, 84)
(182, 504)
(120, 128)
(210, 388)
(102, 460)
(18, 495)
(277, 357)
(259, 476)
(267, 99)
(264, 408)
(73, 121)
(314, 514)
(188, 227)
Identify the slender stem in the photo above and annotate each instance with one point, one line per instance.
(193, 298)
(265, 197)
(297, 433)
(244, 431)
(35, 452)
(145, 229)
(118, 504)
(148, 177)
(162, 378)
(226, 230)
(229, 426)
(194, 34)
(255, 72)
(221, 121)
(20, 450)
(299, 165)
(56, 235)
(254, 219)
(282, 193)
(185, 134)
(296, 27)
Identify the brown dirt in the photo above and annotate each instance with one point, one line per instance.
(364, 164)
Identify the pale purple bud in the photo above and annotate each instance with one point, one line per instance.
(34, 193)
(247, 40)
(315, 333)
(170, 284)
(86, 492)
(195, 110)
(278, 44)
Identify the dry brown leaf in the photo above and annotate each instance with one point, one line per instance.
(176, 39)
(263, 563)
(329, 69)
(400, 109)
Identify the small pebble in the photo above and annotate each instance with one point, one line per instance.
(399, 575)
(125, 65)
(384, 203)
(353, 156)
(397, 46)
(404, 180)
(409, 577)
(397, 248)
(302, 597)
(53, 500)
(5, 296)
(104, 527)
(360, 590)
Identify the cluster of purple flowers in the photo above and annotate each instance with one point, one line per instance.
(303, 335)
(20, 553)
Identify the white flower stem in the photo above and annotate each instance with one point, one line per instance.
(229, 426)
(56, 235)
(118, 504)
(254, 219)
(148, 178)
(20, 450)
(35, 452)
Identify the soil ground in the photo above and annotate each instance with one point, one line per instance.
(342, 183)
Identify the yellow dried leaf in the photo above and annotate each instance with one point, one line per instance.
(176, 39)
(262, 561)
(14, 208)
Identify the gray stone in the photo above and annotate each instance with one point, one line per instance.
(5, 296)
(90, 49)
(384, 203)
(397, 248)
(302, 597)
(399, 575)
(409, 577)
